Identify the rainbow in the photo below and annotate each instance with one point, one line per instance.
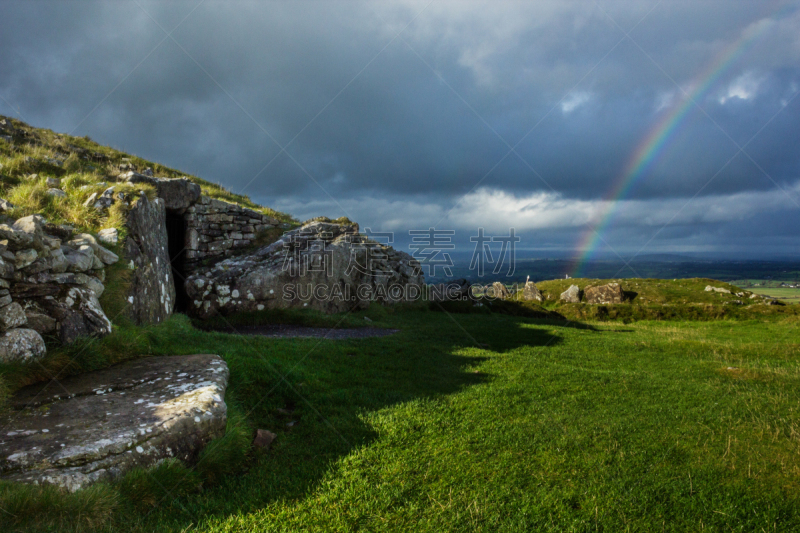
(658, 138)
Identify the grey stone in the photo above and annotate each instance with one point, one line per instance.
(22, 346)
(40, 322)
(58, 193)
(5, 205)
(132, 415)
(178, 193)
(152, 293)
(6, 268)
(264, 438)
(106, 256)
(571, 295)
(108, 236)
(17, 240)
(80, 259)
(604, 294)
(12, 316)
(24, 258)
(91, 200)
(54, 183)
(499, 290)
(78, 314)
(709, 288)
(531, 292)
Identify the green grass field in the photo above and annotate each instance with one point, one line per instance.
(480, 422)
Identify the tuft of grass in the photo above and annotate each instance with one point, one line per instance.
(49, 508)
(147, 488)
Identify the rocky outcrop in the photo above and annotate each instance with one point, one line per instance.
(709, 288)
(50, 281)
(151, 296)
(531, 292)
(499, 290)
(99, 425)
(610, 293)
(323, 266)
(217, 229)
(572, 295)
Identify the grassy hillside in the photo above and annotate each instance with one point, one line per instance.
(477, 423)
(34, 154)
(652, 291)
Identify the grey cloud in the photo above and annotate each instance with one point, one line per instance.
(398, 130)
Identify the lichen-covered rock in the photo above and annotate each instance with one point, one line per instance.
(21, 346)
(40, 322)
(531, 292)
(499, 290)
(12, 316)
(323, 266)
(78, 313)
(571, 295)
(610, 293)
(99, 425)
(152, 292)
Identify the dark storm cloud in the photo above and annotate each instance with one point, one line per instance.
(395, 144)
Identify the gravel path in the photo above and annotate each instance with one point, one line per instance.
(278, 331)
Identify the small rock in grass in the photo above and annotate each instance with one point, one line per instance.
(108, 236)
(58, 193)
(263, 439)
(54, 183)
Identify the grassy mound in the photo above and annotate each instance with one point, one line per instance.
(83, 165)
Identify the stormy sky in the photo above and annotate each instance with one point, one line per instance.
(410, 114)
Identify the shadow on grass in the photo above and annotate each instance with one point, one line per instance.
(315, 394)
(320, 408)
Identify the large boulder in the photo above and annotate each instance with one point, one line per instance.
(21, 346)
(99, 425)
(499, 290)
(531, 292)
(151, 296)
(571, 295)
(610, 293)
(323, 266)
(77, 312)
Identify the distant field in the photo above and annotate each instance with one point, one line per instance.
(783, 294)
(771, 288)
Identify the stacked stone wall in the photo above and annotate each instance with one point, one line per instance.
(217, 229)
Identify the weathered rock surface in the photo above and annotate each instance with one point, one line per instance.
(531, 292)
(21, 346)
(100, 425)
(12, 316)
(571, 295)
(177, 193)
(610, 293)
(323, 266)
(499, 290)
(709, 288)
(152, 291)
(455, 290)
(108, 236)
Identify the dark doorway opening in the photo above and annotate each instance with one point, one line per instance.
(176, 244)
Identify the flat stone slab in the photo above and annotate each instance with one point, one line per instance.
(101, 424)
